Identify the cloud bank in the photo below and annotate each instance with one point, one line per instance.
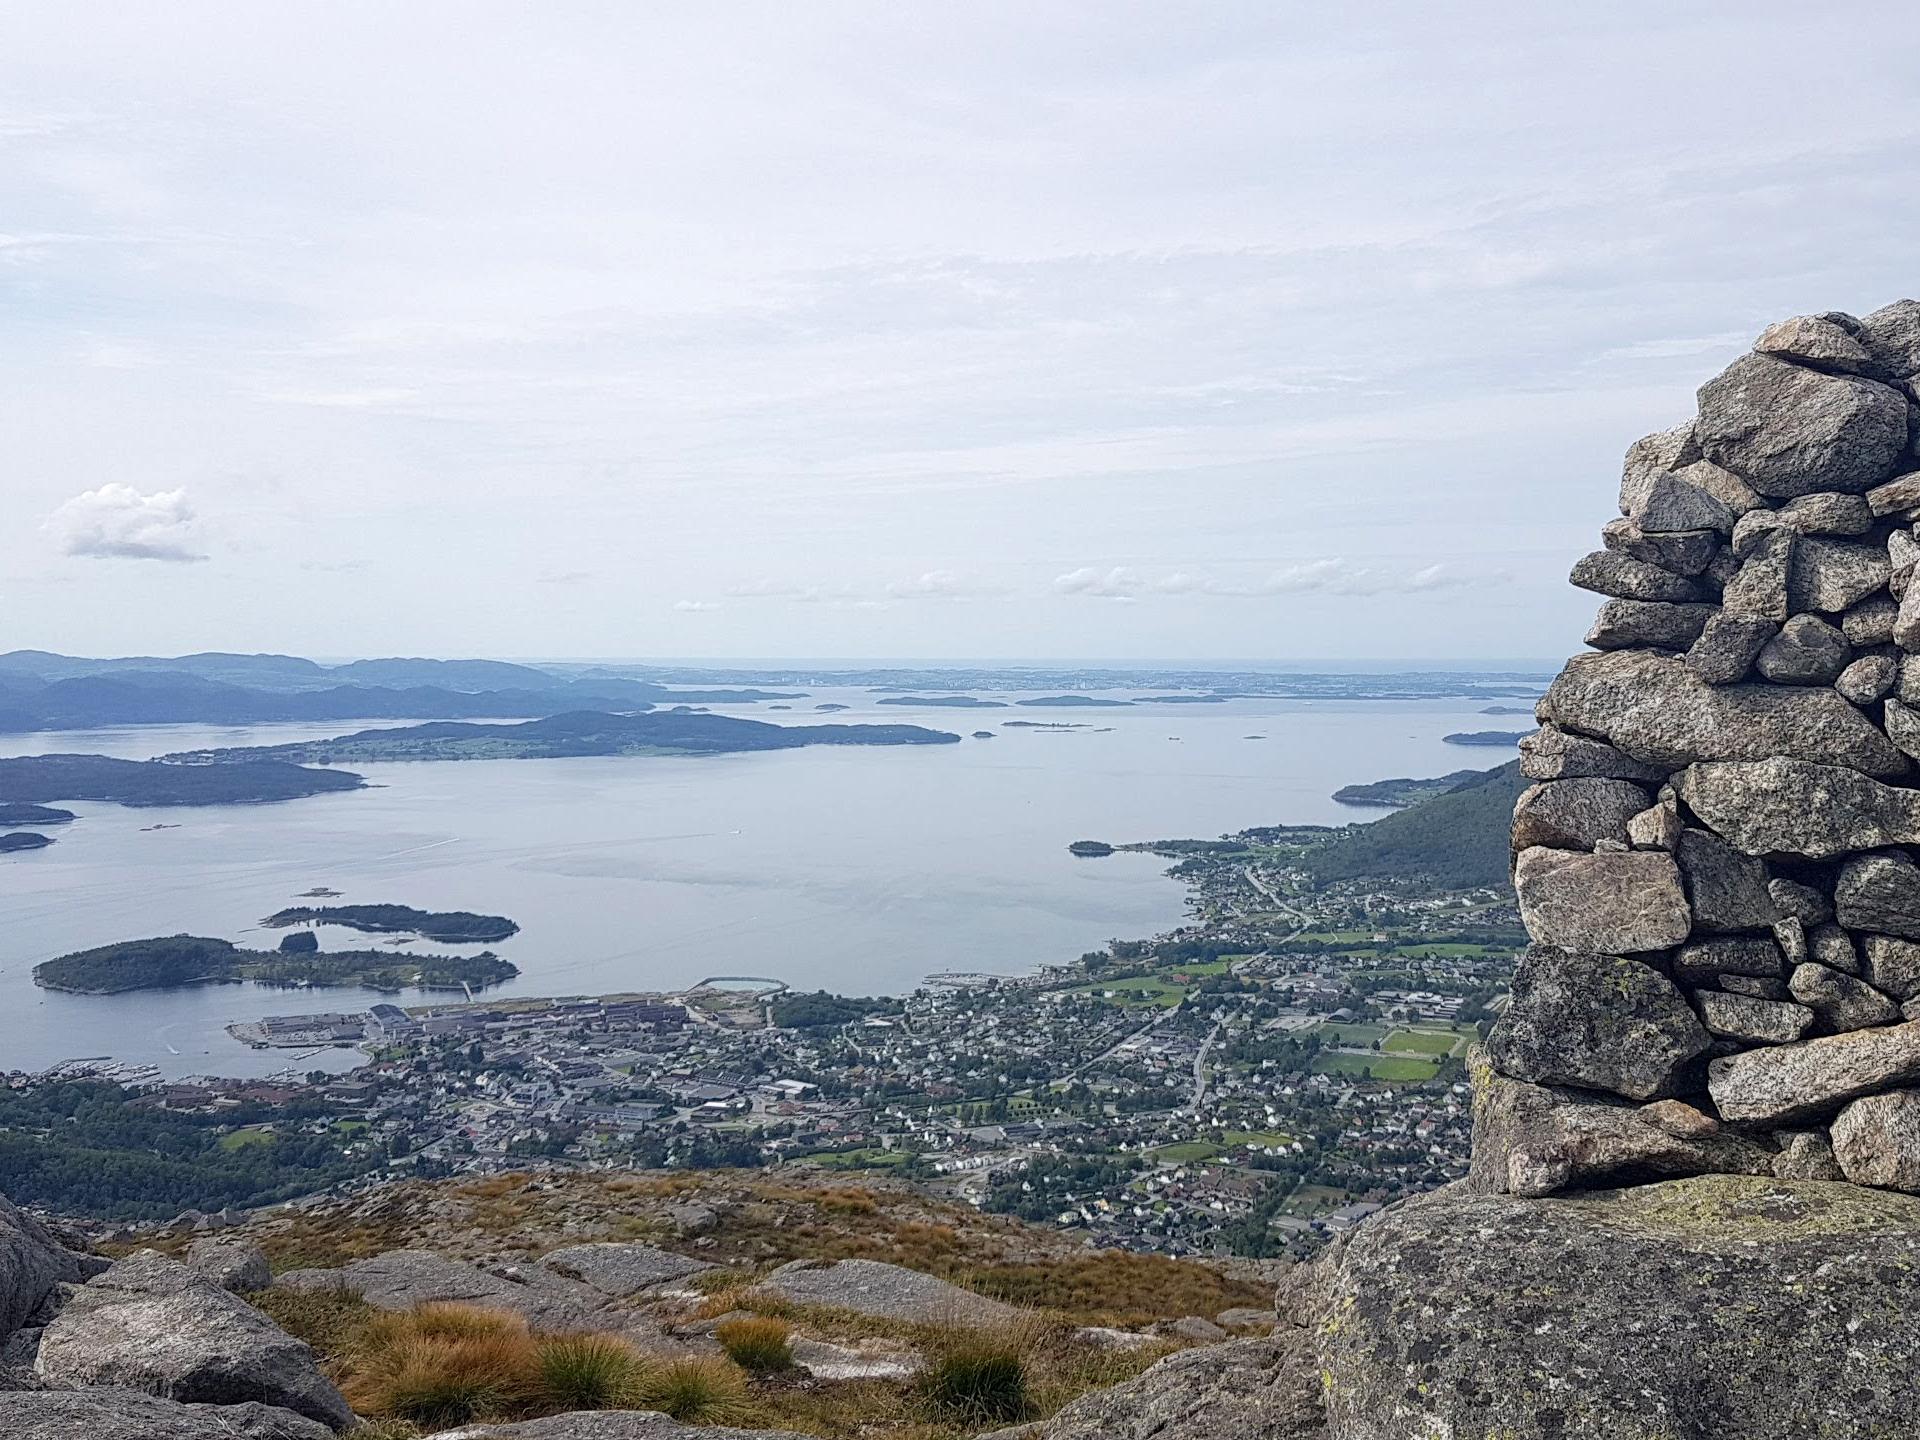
(117, 522)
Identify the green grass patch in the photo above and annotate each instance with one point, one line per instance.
(867, 1158)
(1421, 1042)
(1140, 990)
(1256, 1137)
(1351, 1034)
(1376, 1067)
(241, 1139)
(1186, 1152)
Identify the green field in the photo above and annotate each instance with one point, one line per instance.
(1379, 1067)
(240, 1139)
(1351, 1034)
(1186, 1152)
(1422, 1042)
(1140, 990)
(1255, 1137)
(866, 1159)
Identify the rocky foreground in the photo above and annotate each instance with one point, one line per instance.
(1714, 1305)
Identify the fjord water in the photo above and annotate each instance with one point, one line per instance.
(857, 869)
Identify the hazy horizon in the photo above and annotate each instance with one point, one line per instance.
(865, 331)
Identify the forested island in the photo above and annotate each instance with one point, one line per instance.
(36, 779)
(1090, 849)
(173, 960)
(947, 702)
(1496, 739)
(23, 840)
(1074, 702)
(584, 733)
(1402, 792)
(449, 927)
(11, 815)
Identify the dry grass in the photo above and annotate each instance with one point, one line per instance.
(697, 1390)
(331, 1321)
(763, 1345)
(434, 1382)
(589, 1372)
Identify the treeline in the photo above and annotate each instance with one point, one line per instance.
(450, 927)
(171, 960)
(819, 1010)
(89, 1147)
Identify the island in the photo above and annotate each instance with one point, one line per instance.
(1183, 699)
(1043, 725)
(11, 815)
(949, 702)
(1496, 739)
(582, 733)
(21, 840)
(1090, 849)
(1398, 793)
(450, 927)
(831, 707)
(37, 779)
(174, 960)
(1507, 710)
(1075, 701)
(984, 735)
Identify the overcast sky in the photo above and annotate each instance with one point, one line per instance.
(892, 329)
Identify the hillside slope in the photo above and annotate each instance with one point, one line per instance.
(1458, 838)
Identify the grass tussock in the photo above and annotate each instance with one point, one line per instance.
(331, 1321)
(762, 1345)
(697, 1390)
(980, 1377)
(436, 1383)
(589, 1372)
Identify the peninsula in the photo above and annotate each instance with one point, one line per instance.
(1401, 792)
(11, 815)
(173, 960)
(21, 840)
(582, 733)
(36, 779)
(449, 927)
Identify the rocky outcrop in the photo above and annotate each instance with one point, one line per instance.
(890, 1292)
(1747, 943)
(149, 1323)
(609, 1425)
(231, 1264)
(111, 1414)
(621, 1270)
(402, 1279)
(1714, 1306)
(32, 1263)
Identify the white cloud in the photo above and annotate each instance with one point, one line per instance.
(1331, 576)
(117, 522)
(695, 607)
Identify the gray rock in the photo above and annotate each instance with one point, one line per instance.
(1751, 1020)
(1795, 807)
(1575, 814)
(1906, 623)
(32, 1262)
(1728, 646)
(149, 1323)
(116, 1414)
(1870, 622)
(1891, 335)
(1195, 1328)
(1760, 987)
(1652, 455)
(1658, 827)
(871, 1287)
(1707, 1308)
(1899, 494)
(1805, 1155)
(1261, 1389)
(1241, 1317)
(608, 1425)
(1903, 725)
(231, 1264)
(402, 1279)
(1787, 430)
(1841, 1001)
(1876, 1140)
(1721, 485)
(1804, 903)
(1759, 588)
(1628, 624)
(1807, 651)
(1903, 554)
(1754, 526)
(1657, 710)
(1828, 514)
(1684, 552)
(1706, 962)
(1608, 572)
(1816, 339)
(825, 1361)
(1669, 504)
(622, 1270)
(1727, 890)
(1550, 753)
(1868, 679)
(1537, 1140)
(1638, 1044)
(1880, 891)
(1834, 575)
(1832, 947)
(1608, 903)
(1893, 965)
(1791, 936)
(1779, 1084)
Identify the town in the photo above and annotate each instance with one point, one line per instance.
(1264, 1076)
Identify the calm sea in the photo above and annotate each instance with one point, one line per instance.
(862, 870)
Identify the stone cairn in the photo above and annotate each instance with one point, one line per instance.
(1717, 860)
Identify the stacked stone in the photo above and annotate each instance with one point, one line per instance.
(1717, 862)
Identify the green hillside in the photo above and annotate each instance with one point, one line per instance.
(1458, 838)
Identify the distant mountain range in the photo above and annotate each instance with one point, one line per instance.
(43, 691)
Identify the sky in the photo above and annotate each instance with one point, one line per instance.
(1028, 330)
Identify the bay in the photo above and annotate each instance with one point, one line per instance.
(857, 869)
